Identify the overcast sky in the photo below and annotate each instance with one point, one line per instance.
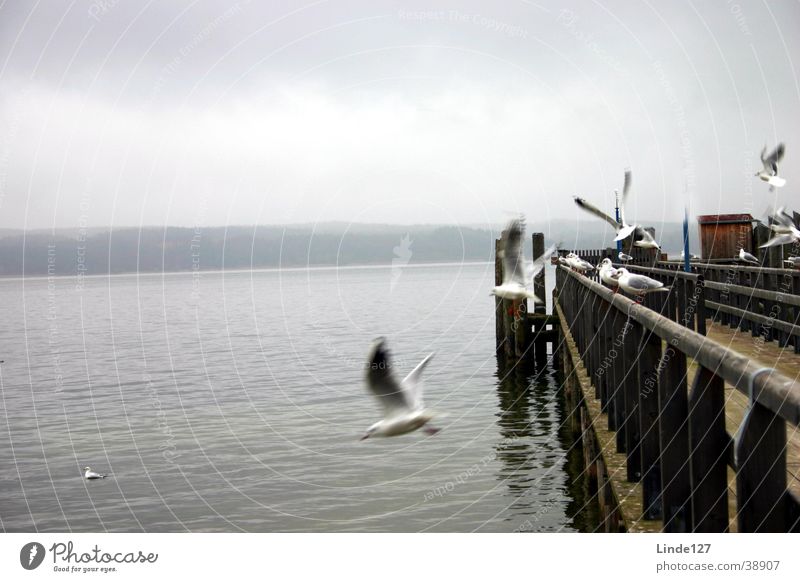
(122, 113)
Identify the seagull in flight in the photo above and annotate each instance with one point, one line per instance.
(622, 228)
(638, 284)
(747, 257)
(518, 274)
(770, 172)
(89, 474)
(785, 231)
(402, 404)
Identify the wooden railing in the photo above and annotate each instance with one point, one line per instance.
(674, 439)
(771, 310)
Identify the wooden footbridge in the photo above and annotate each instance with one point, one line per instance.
(687, 403)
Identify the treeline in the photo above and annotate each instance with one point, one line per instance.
(170, 249)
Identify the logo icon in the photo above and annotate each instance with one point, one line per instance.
(402, 254)
(31, 555)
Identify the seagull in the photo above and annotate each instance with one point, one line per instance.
(638, 284)
(89, 474)
(645, 240)
(608, 274)
(793, 261)
(578, 263)
(402, 404)
(692, 256)
(747, 257)
(624, 258)
(622, 228)
(770, 172)
(517, 273)
(785, 231)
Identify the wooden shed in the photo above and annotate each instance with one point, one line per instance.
(722, 235)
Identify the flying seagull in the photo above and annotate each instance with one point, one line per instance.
(770, 172)
(785, 231)
(638, 284)
(747, 257)
(518, 274)
(89, 474)
(403, 409)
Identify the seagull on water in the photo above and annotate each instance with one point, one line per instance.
(402, 404)
(747, 257)
(770, 172)
(638, 284)
(785, 231)
(608, 274)
(518, 274)
(624, 258)
(89, 474)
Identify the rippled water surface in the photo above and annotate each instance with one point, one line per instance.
(234, 401)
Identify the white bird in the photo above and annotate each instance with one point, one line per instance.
(608, 274)
(402, 404)
(578, 263)
(638, 284)
(793, 261)
(622, 228)
(89, 474)
(645, 240)
(692, 256)
(747, 257)
(624, 258)
(770, 172)
(518, 274)
(785, 231)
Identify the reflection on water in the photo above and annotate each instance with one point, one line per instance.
(537, 446)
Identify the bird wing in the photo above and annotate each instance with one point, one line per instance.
(645, 236)
(781, 239)
(381, 380)
(642, 283)
(412, 384)
(539, 263)
(592, 209)
(783, 218)
(771, 162)
(513, 260)
(626, 187)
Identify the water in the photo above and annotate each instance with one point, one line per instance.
(234, 402)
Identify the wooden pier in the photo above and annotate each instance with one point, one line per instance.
(688, 402)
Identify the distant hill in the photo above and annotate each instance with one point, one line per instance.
(159, 249)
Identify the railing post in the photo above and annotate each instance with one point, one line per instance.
(673, 431)
(761, 471)
(632, 423)
(648, 418)
(709, 447)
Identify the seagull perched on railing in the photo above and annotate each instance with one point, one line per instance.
(747, 257)
(692, 256)
(89, 474)
(402, 404)
(578, 263)
(770, 172)
(608, 274)
(793, 261)
(638, 284)
(624, 258)
(518, 274)
(785, 231)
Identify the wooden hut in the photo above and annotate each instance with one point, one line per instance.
(722, 235)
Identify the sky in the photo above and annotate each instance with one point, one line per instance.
(118, 113)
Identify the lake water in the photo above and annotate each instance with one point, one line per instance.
(234, 402)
